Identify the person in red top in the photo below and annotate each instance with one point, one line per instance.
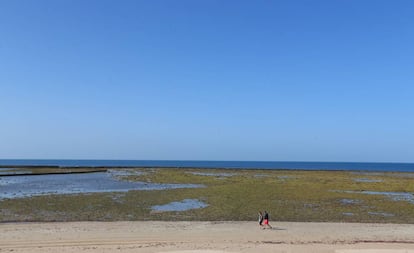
(266, 219)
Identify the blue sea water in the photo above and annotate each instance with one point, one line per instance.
(349, 166)
(28, 186)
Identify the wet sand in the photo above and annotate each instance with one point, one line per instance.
(206, 237)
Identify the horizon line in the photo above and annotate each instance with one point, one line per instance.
(200, 160)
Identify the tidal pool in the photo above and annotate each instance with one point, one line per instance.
(260, 176)
(403, 175)
(368, 173)
(212, 174)
(119, 173)
(367, 180)
(11, 171)
(396, 196)
(286, 177)
(348, 214)
(36, 185)
(381, 214)
(350, 201)
(184, 205)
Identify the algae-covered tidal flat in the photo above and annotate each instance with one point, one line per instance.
(225, 194)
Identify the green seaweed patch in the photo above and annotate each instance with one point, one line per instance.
(287, 195)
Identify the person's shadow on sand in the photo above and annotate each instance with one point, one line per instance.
(274, 228)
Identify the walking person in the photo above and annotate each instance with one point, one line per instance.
(260, 219)
(266, 219)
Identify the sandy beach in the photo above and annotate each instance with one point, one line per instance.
(205, 237)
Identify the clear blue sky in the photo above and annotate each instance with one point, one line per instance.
(207, 80)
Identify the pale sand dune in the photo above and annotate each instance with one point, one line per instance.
(205, 237)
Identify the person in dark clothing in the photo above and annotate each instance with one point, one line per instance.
(266, 219)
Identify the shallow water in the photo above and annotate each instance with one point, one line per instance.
(403, 175)
(184, 205)
(286, 177)
(367, 180)
(125, 172)
(365, 173)
(396, 196)
(12, 171)
(212, 174)
(260, 175)
(350, 201)
(382, 214)
(27, 186)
